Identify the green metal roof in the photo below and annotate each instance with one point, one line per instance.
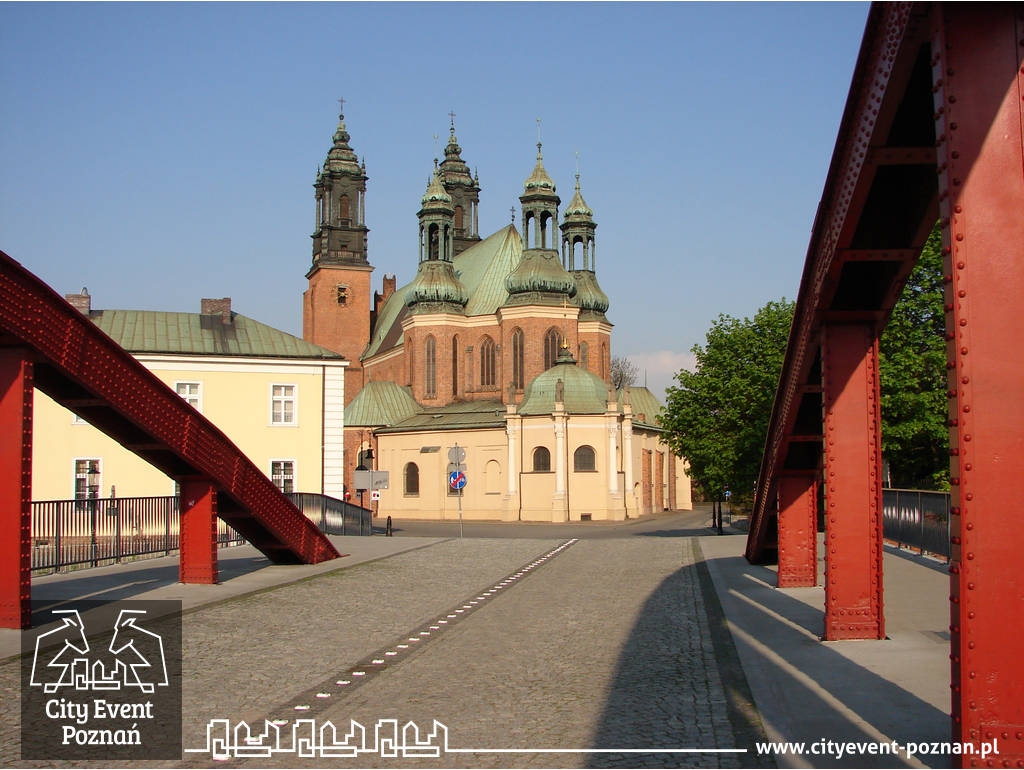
(380, 403)
(646, 403)
(481, 269)
(461, 415)
(150, 331)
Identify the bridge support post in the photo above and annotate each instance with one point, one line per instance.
(798, 530)
(978, 53)
(853, 483)
(16, 391)
(198, 538)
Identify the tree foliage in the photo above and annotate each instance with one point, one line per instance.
(912, 378)
(624, 372)
(717, 417)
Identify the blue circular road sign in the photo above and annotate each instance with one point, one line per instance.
(456, 479)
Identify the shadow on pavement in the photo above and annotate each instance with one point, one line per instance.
(659, 685)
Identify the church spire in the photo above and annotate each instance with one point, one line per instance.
(436, 289)
(578, 252)
(464, 189)
(341, 232)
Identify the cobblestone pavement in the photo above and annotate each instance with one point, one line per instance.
(589, 646)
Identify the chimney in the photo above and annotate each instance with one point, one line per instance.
(218, 307)
(389, 286)
(81, 302)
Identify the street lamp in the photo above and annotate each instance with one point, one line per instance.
(93, 492)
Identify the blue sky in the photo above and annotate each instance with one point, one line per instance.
(159, 153)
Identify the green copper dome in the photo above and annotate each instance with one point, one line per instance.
(582, 392)
(578, 209)
(341, 157)
(435, 289)
(589, 295)
(539, 181)
(539, 273)
(436, 197)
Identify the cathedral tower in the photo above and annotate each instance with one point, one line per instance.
(465, 192)
(578, 257)
(335, 306)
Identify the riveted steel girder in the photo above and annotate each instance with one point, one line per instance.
(198, 535)
(798, 530)
(15, 487)
(853, 483)
(978, 70)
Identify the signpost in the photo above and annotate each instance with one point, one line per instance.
(457, 475)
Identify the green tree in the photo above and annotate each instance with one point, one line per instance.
(912, 378)
(717, 417)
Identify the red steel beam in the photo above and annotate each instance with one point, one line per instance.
(15, 487)
(198, 532)
(798, 530)
(853, 483)
(978, 69)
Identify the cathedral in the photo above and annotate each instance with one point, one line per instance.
(498, 350)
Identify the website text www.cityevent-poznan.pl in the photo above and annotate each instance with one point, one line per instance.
(839, 749)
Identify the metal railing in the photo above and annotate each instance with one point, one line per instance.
(333, 516)
(96, 531)
(918, 519)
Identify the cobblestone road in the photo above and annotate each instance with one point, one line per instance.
(591, 645)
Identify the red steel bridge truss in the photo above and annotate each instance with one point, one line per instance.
(46, 344)
(932, 132)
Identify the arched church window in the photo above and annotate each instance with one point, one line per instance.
(584, 459)
(458, 218)
(518, 376)
(584, 355)
(343, 208)
(541, 460)
(430, 368)
(434, 240)
(412, 479)
(455, 366)
(551, 344)
(487, 369)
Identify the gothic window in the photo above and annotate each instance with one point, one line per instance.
(455, 366)
(412, 479)
(584, 459)
(430, 368)
(434, 242)
(343, 208)
(604, 359)
(541, 460)
(487, 379)
(584, 355)
(517, 359)
(458, 218)
(551, 340)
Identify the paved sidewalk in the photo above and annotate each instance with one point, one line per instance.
(598, 648)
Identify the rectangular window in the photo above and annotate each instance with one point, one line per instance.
(282, 473)
(190, 391)
(341, 293)
(87, 479)
(282, 405)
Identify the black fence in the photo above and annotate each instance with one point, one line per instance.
(96, 531)
(917, 519)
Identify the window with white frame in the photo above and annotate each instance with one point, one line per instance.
(282, 473)
(283, 405)
(191, 392)
(87, 478)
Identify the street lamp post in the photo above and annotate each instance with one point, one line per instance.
(93, 492)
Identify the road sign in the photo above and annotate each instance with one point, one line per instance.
(457, 455)
(457, 479)
(370, 479)
(375, 494)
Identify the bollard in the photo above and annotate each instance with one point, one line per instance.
(388, 531)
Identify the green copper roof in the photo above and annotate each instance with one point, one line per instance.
(148, 331)
(380, 403)
(583, 392)
(481, 269)
(645, 403)
(465, 415)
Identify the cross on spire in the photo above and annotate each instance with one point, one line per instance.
(341, 105)
(451, 116)
(513, 210)
(538, 137)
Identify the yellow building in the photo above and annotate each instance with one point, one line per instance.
(278, 398)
